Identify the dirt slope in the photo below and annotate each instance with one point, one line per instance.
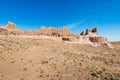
(25, 58)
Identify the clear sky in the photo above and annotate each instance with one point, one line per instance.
(77, 15)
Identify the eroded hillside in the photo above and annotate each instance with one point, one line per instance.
(26, 58)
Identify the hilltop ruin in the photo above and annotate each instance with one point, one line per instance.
(89, 37)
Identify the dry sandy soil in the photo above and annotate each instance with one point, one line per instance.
(32, 58)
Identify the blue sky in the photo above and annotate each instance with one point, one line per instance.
(77, 15)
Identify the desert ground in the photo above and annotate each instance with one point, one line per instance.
(38, 58)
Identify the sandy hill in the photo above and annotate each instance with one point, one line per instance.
(33, 58)
(57, 54)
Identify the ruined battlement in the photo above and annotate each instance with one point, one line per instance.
(89, 37)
